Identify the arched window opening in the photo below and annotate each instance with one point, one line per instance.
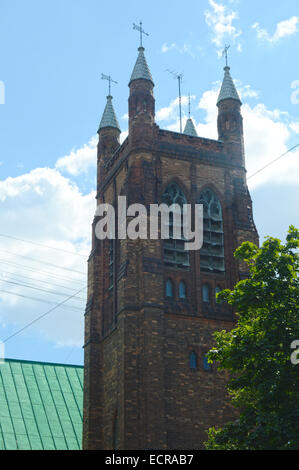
(193, 360)
(175, 255)
(212, 251)
(206, 294)
(169, 289)
(182, 291)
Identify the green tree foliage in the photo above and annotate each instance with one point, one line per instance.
(264, 384)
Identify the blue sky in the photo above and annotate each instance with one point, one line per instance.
(52, 55)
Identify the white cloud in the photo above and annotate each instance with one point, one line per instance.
(80, 160)
(170, 112)
(123, 136)
(266, 133)
(220, 19)
(283, 29)
(246, 91)
(165, 48)
(46, 208)
(266, 136)
(184, 49)
(295, 127)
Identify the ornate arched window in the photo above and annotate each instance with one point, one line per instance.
(212, 251)
(182, 291)
(169, 289)
(206, 294)
(175, 255)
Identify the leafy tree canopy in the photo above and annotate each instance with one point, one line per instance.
(264, 384)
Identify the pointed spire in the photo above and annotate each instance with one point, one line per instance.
(141, 69)
(109, 118)
(228, 89)
(190, 128)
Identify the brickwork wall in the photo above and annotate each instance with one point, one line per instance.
(140, 392)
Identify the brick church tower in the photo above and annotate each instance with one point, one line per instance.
(151, 310)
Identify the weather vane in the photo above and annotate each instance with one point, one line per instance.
(141, 31)
(224, 53)
(189, 105)
(107, 77)
(179, 77)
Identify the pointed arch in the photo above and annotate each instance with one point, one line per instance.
(173, 194)
(175, 255)
(212, 251)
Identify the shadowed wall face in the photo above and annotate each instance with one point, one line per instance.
(152, 308)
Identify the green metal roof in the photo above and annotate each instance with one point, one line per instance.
(40, 406)
(190, 128)
(109, 118)
(141, 69)
(228, 89)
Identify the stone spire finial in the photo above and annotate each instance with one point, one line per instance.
(190, 128)
(141, 69)
(109, 118)
(228, 89)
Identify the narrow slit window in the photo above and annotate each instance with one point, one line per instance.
(169, 289)
(206, 294)
(182, 291)
(193, 361)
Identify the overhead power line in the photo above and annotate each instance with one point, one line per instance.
(43, 262)
(43, 246)
(37, 299)
(28, 286)
(37, 271)
(42, 316)
(273, 161)
(16, 277)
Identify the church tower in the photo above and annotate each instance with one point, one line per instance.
(152, 310)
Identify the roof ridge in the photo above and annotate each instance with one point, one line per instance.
(24, 361)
